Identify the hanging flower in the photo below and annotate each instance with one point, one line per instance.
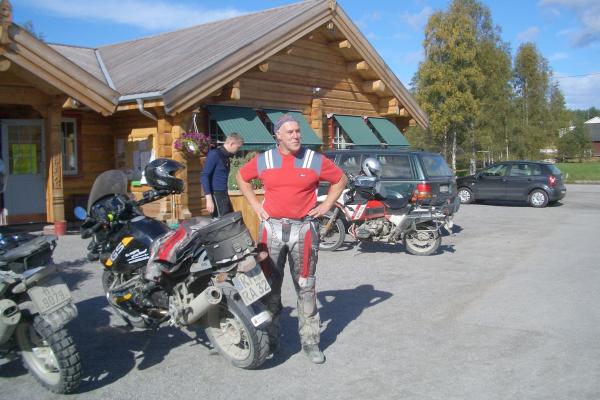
(193, 143)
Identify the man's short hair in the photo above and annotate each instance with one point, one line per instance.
(283, 119)
(235, 137)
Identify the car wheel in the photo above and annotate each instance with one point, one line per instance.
(538, 198)
(465, 195)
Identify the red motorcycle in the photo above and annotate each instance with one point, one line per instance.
(369, 213)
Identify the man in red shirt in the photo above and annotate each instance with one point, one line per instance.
(290, 174)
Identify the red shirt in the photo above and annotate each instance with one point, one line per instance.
(290, 181)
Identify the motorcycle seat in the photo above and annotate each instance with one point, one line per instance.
(395, 203)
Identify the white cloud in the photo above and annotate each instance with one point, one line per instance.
(588, 12)
(528, 35)
(418, 20)
(558, 56)
(581, 92)
(149, 15)
(368, 18)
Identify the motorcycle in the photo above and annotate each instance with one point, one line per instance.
(35, 306)
(209, 270)
(371, 214)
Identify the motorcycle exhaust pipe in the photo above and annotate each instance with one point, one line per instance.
(10, 315)
(199, 306)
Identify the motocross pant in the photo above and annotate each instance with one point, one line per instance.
(295, 241)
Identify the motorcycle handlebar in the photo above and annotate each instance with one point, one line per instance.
(87, 233)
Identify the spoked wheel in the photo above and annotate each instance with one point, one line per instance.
(331, 234)
(131, 319)
(538, 198)
(465, 195)
(422, 242)
(235, 338)
(50, 356)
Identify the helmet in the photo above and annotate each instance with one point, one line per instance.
(160, 174)
(371, 167)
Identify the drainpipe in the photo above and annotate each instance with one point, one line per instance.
(145, 112)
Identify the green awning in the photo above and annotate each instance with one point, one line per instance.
(388, 131)
(358, 130)
(244, 121)
(309, 137)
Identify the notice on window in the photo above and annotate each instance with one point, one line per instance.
(24, 158)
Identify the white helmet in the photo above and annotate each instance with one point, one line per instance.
(371, 167)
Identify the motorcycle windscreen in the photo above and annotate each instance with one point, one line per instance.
(107, 183)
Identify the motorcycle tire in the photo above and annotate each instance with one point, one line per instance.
(50, 356)
(235, 338)
(424, 241)
(131, 319)
(336, 235)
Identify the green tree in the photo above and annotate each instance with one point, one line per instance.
(574, 143)
(449, 77)
(533, 100)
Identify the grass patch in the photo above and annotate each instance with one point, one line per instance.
(585, 171)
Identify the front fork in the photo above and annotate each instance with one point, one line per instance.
(325, 230)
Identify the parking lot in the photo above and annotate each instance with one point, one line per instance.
(507, 310)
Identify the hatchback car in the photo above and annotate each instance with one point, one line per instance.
(408, 172)
(536, 182)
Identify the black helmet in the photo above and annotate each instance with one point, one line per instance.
(160, 174)
(371, 167)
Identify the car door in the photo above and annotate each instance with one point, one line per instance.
(491, 183)
(521, 179)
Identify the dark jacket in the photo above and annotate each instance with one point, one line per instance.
(216, 170)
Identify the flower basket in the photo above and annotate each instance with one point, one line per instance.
(193, 143)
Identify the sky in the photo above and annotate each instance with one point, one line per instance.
(566, 32)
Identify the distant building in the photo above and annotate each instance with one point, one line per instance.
(592, 128)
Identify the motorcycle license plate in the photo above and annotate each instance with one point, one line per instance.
(251, 285)
(50, 295)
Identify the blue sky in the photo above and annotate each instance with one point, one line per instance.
(567, 32)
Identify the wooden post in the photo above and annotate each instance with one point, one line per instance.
(316, 117)
(55, 200)
(181, 209)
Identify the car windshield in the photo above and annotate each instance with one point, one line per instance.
(435, 165)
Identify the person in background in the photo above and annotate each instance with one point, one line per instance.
(289, 229)
(215, 173)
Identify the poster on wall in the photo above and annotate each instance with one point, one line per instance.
(24, 159)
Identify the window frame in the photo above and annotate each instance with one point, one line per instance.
(76, 120)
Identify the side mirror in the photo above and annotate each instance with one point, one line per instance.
(80, 213)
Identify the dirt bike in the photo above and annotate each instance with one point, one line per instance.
(35, 306)
(209, 270)
(367, 212)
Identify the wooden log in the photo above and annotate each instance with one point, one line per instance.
(264, 67)
(357, 66)
(4, 64)
(376, 86)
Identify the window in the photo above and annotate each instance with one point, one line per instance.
(496, 170)
(215, 132)
(435, 165)
(350, 163)
(395, 166)
(68, 143)
(525, 170)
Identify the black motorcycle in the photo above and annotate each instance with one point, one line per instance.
(209, 271)
(35, 306)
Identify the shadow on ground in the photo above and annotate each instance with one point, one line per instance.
(339, 308)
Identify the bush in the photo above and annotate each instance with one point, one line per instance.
(236, 164)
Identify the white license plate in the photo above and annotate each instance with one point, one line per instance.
(444, 188)
(50, 295)
(251, 285)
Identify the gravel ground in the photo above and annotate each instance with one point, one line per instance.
(506, 310)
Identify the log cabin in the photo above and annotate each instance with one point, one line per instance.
(69, 113)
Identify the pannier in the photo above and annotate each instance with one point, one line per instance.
(226, 239)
